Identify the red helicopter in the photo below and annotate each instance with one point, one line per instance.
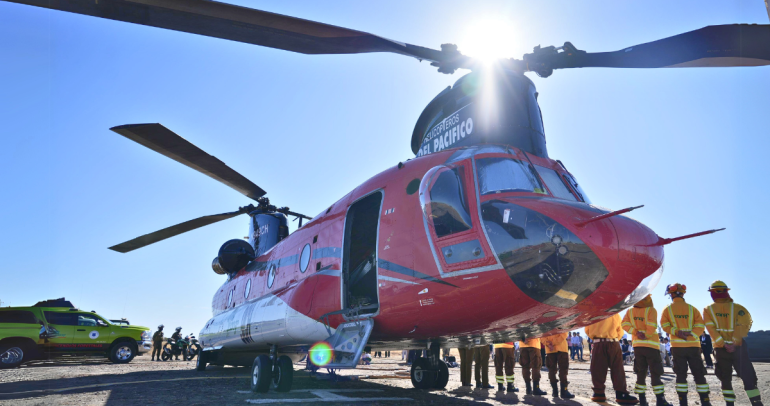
(481, 238)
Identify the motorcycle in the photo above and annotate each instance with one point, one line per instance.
(193, 347)
(174, 349)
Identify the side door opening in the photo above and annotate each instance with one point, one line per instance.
(359, 256)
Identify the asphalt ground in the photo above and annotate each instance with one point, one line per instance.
(89, 381)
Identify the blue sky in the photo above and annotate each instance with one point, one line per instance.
(689, 144)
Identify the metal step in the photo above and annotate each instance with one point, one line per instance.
(347, 343)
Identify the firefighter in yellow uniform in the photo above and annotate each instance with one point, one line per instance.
(641, 322)
(557, 357)
(530, 362)
(684, 325)
(606, 354)
(728, 323)
(504, 363)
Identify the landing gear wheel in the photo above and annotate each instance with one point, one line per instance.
(123, 352)
(261, 374)
(442, 376)
(422, 376)
(11, 356)
(200, 364)
(283, 374)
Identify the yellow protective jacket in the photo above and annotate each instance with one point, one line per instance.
(682, 316)
(727, 322)
(555, 343)
(531, 342)
(644, 319)
(607, 328)
(504, 345)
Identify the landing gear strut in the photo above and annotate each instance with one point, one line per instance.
(272, 371)
(430, 372)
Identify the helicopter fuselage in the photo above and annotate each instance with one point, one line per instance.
(473, 244)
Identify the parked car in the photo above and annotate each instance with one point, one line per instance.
(54, 328)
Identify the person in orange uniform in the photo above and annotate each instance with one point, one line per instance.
(606, 354)
(557, 357)
(728, 323)
(641, 322)
(684, 324)
(504, 363)
(530, 362)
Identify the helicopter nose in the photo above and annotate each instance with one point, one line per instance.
(555, 261)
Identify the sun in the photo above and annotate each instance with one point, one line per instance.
(489, 39)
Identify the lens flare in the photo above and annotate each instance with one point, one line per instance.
(320, 354)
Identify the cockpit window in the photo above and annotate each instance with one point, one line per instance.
(555, 183)
(496, 175)
(573, 182)
(448, 203)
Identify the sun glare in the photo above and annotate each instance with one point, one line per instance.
(489, 39)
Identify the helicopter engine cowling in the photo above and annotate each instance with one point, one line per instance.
(233, 256)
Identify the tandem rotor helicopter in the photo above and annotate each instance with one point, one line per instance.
(482, 211)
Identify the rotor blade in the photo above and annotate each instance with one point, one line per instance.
(160, 139)
(169, 232)
(236, 23)
(712, 46)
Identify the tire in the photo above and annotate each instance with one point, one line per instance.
(422, 376)
(442, 376)
(192, 352)
(283, 375)
(11, 356)
(261, 374)
(123, 352)
(200, 364)
(164, 356)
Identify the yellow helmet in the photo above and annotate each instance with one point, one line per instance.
(718, 285)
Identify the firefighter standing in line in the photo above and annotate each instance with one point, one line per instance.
(481, 357)
(684, 325)
(557, 357)
(729, 323)
(466, 365)
(157, 343)
(504, 363)
(641, 322)
(606, 353)
(531, 362)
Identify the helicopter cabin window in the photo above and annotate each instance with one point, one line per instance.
(304, 258)
(230, 298)
(555, 183)
(271, 276)
(247, 290)
(497, 175)
(449, 203)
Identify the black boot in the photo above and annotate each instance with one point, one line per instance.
(661, 400)
(682, 399)
(555, 389)
(643, 399)
(625, 399)
(500, 387)
(599, 397)
(511, 388)
(756, 401)
(704, 399)
(536, 389)
(564, 392)
(529, 387)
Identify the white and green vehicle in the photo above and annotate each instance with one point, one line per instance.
(55, 328)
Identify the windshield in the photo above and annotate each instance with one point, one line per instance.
(497, 175)
(573, 182)
(555, 183)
